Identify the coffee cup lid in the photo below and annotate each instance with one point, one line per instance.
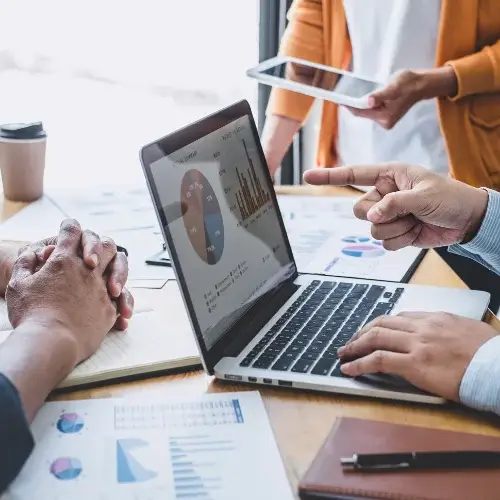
(22, 131)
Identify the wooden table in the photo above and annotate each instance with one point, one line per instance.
(302, 420)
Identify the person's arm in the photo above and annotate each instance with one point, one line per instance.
(15, 436)
(484, 247)
(33, 360)
(478, 73)
(480, 387)
(287, 110)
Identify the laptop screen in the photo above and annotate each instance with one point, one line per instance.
(223, 223)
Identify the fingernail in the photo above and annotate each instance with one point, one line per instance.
(118, 289)
(345, 368)
(340, 350)
(374, 214)
(94, 259)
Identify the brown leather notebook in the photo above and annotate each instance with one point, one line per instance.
(326, 480)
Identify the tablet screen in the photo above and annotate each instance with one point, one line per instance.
(327, 80)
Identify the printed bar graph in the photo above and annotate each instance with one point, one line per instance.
(251, 196)
(195, 463)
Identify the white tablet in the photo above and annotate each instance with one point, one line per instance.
(316, 80)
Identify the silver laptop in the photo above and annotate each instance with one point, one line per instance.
(255, 318)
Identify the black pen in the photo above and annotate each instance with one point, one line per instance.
(423, 460)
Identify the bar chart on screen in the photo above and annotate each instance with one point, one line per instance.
(250, 196)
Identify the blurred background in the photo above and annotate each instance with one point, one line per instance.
(108, 76)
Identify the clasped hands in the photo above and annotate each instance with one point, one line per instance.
(410, 206)
(73, 283)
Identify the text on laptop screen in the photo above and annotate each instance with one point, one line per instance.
(224, 225)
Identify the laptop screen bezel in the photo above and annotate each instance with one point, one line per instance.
(170, 144)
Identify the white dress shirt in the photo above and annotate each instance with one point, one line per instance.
(388, 36)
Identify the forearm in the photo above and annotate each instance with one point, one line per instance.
(484, 247)
(438, 83)
(36, 357)
(277, 137)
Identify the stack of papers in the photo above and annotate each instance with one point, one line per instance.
(124, 214)
(215, 447)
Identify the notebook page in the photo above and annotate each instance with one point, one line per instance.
(148, 342)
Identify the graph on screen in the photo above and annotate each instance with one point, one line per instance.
(128, 468)
(209, 413)
(250, 196)
(202, 219)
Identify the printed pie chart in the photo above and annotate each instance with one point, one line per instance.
(66, 468)
(356, 239)
(70, 423)
(363, 251)
(202, 218)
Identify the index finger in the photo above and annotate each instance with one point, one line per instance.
(70, 235)
(353, 175)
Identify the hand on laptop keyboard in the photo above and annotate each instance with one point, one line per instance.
(305, 339)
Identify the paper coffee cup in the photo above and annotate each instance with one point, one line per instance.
(22, 160)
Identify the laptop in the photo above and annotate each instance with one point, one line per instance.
(255, 318)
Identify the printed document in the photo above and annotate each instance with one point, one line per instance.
(213, 447)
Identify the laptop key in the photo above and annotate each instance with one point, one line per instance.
(336, 371)
(283, 364)
(323, 366)
(302, 366)
(330, 355)
(263, 362)
(310, 356)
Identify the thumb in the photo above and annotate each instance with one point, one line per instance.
(25, 265)
(388, 93)
(394, 206)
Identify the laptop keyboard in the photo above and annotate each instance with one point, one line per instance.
(305, 339)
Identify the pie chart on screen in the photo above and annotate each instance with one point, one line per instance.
(202, 219)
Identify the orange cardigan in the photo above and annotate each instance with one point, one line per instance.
(469, 40)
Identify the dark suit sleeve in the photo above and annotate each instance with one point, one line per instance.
(16, 441)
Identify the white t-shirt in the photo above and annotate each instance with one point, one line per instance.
(388, 36)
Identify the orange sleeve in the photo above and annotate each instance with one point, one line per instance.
(478, 73)
(303, 38)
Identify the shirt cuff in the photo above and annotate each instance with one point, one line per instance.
(486, 240)
(480, 387)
